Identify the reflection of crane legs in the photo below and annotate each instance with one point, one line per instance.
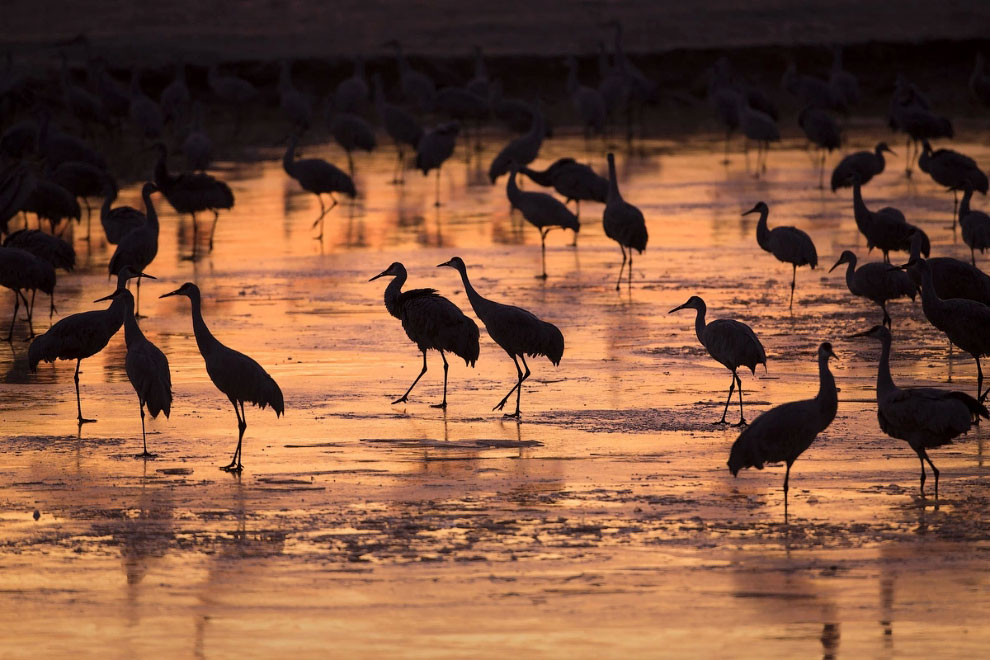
(793, 282)
(517, 388)
(235, 462)
(323, 213)
(543, 252)
(405, 397)
(436, 199)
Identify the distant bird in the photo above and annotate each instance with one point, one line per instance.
(192, 193)
(52, 249)
(434, 148)
(417, 88)
(865, 164)
(56, 147)
(146, 366)
(782, 434)
(788, 244)
(923, 416)
(822, 130)
(975, 226)
(543, 211)
(138, 247)
(117, 221)
(401, 126)
(843, 85)
(724, 99)
(175, 98)
(623, 222)
(351, 132)
(52, 202)
(317, 176)
(479, 83)
(517, 115)
(352, 93)
(197, 147)
(963, 321)
(84, 180)
(759, 127)
(232, 90)
(885, 229)
(731, 343)
(431, 322)
(17, 181)
(953, 278)
(80, 336)
(979, 81)
(810, 90)
(517, 331)
(587, 101)
(145, 113)
(876, 282)
(296, 106)
(952, 170)
(461, 104)
(21, 271)
(523, 150)
(910, 112)
(574, 181)
(239, 377)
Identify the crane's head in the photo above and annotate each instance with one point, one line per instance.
(825, 351)
(121, 294)
(761, 208)
(188, 290)
(127, 273)
(877, 332)
(394, 270)
(148, 188)
(694, 302)
(456, 263)
(847, 257)
(882, 146)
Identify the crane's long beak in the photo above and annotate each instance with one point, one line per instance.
(679, 307)
(837, 263)
(446, 263)
(381, 274)
(110, 297)
(752, 210)
(889, 151)
(170, 293)
(865, 333)
(146, 276)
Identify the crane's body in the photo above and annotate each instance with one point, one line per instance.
(788, 244)
(876, 282)
(623, 222)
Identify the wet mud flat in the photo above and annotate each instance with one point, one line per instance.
(604, 524)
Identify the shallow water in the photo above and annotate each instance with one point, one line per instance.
(605, 523)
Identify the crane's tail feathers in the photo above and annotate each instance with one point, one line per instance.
(43, 348)
(744, 455)
(975, 407)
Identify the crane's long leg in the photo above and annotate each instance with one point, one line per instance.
(787, 479)
(793, 282)
(235, 461)
(144, 435)
(436, 200)
(350, 164)
(519, 389)
(886, 316)
(742, 419)
(13, 317)
(405, 397)
(543, 252)
(821, 172)
(924, 455)
(955, 209)
(921, 458)
(30, 313)
(629, 274)
(622, 267)
(213, 230)
(972, 255)
(519, 379)
(578, 216)
(732, 387)
(75, 377)
(137, 305)
(195, 234)
(443, 404)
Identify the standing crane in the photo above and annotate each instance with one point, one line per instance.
(83, 335)
(434, 148)
(975, 226)
(543, 211)
(351, 93)
(886, 229)
(788, 244)
(587, 101)
(431, 322)
(952, 170)
(21, 271)
(351, 132)
(822, 130)
(232, 90)
(925, 417)
(317, 176)
(979, 81)
(239, 377)
(139, 247)
(52, 249)
(810, 90)
(417, 87)
(52, 202)
(117, 221)
(844, 85)
(401, 126)
(784, 432)
(146, 366)
(575, 181)
(876, 282)
(517, 331)
(623, 222)
(84, 180)
(865, 164)
(523, 150)
(296, 106)
(731, 343)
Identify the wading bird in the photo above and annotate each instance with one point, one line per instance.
(953, 278)
(541, 210)
(52, 202)
(434, 148)
(21, 271)
(574, 181)
(52, 249)
(784, 432)
(730, 343)
(351, 132)
(417, 87)
(885, 229)
(80, 336)
(876, 282)
(317, 176)
(517, 331)
(117, 221)
(587, 101)
(953, 170)
(844, 85)
(822, 130)
(401, 126)
(431, 322)
(239, 377)
(146, 366)
(760, 127)
(351, 93)
(174, 99)
(523, 150)
(865, 164)
(197, 147)
(139, 247)
(975, 226)
(296, 107)
(923, 416)
(84, 180)
(623, 222)
(787, 244)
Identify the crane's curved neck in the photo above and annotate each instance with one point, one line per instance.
(613, 182)
(132, 333)
(851, 272)
(162, 176)
(536, 126)
(289, 159)
(885, 384)
(931, 304)
(392, 292)
(859, 206)
(964, 204)
(204, 338)
(150, 213)
(699, 323)
(478, 303)
(512, 189)
(878, 154)
(828, 395)
(762, 231)
(542, 177)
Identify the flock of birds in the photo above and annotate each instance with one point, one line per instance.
(46, 172)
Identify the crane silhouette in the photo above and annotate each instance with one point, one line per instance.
(925, 417)
(541, 210)
(865, 164)
(953, 278)
(843, 84)
(574, 181)
(401, 126)
(239, 377)
(876, 282)
(910, 112)
(788, 244)
(83, 180)
(434, 148)
(822, 130)
(146, 367)
(16, 183)
(197, 147)
(351, 132)
(417, 87)
(587, 101)
(52, 202)
(56, 147)
(175, 98)
(810, 90)
(975, 226)
(517, 331)
(117, 221)
(759, 127)
(523, 150)
(623, 222)
(431, 322)
(232, 90)
(139, 247)
(83, 335)
(296, 106)
(352, 93)
(885, 229)
(317, 176)
(21, 271)
(953, 170)
(52, 249)
(783, 433)
(730, 343)
(192, 192)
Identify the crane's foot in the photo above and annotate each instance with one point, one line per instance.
(83, 420)
(741, 422)
(401, 399)
(442, 405)
(514, 415)
(500, 404)
(146, 454)
(233, 467)
(541, 277)
(720, 422)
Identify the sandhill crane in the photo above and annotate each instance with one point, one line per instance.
(295, 106)
(979, 81)
(885, 229)
(587, 101)
(911, 113)
(953, 278)
(232, 90)
(16, 183)
(517, 115)
(417, 87)
(952, 170)
(975, 226)
(431, 322)
(788, 244)
(434, 148)
(114, 96)
(145, 113)
(146, 366)
(84, 180)
(784, 432)
(117, 221)
(731, 343)
(479, 83)
(351, 132)
(541, 210)
(317, 176)
(352, 93)
(239, 377)
(192, 192)
(197, 147)
(56, 147)
(810, 90)
(822, 130)
(844, 86)
(876, 282)
(465, 106)
(925, 417)
(865, 164)
(83, 335)
(963, 321)
(623, 222)
(86, 107)
(52, 249)
(517, 331)
(174, 99)
(401, 126)
(573, 180)
(21, 271)
(139, 247)
(523, 150)
(760, 127)
(52, 202)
